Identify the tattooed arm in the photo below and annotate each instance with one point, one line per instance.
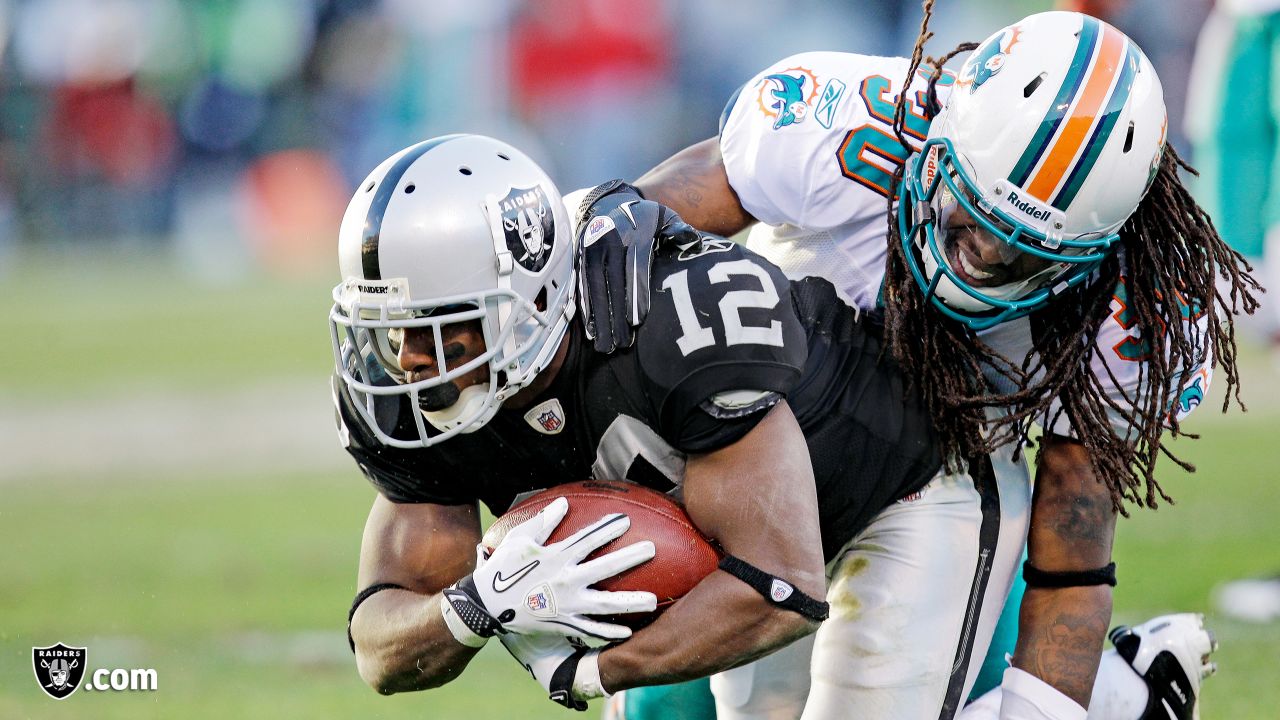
(1061, 630)
(694, 184)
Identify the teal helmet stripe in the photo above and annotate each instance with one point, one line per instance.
(1102, 131)
(1071, 84)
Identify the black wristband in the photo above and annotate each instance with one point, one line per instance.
(361, 596)
(1037, 578)
(561, 685)
(776, 590)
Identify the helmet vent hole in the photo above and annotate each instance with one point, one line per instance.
(410, 188)
(504, 156)
(1031, 86)
(369, 187)
(464, 170)
(1128, 138)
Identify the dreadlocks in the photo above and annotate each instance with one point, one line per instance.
(1169, 259)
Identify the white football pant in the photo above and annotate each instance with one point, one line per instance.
(914, 601)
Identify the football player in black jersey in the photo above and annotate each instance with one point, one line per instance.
(463, 377)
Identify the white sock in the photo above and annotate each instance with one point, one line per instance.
(1119, 693)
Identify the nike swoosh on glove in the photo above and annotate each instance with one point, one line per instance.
(526, 586)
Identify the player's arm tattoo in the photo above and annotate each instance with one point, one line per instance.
(1060, 637)
(694, 184)
(1061, 630)
(1080, 512)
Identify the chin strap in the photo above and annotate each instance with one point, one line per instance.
(776, 590)
(468, 405)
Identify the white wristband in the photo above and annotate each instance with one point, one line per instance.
(461, 632)
(586, 681)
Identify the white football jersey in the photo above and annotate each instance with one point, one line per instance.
(809, 149)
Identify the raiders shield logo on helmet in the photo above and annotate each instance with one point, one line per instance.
(529, 224)
(59, 669)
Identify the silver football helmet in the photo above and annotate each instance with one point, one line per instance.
(459, 228)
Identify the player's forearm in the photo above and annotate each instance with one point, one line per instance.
(694, 184)
(694, 639)
(1060, 637)
(1061, 630)
(403, 644)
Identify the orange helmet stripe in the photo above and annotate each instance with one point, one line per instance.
(1088, 106)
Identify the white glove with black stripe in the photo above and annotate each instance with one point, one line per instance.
(527, 587)
(564, 667)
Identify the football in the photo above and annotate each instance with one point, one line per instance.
(683, 554)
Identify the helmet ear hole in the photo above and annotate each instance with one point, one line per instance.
(464, 170)
(1128, 139)
(1031, 86)
(410, 188)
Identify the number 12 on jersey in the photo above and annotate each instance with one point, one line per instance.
(694, 336)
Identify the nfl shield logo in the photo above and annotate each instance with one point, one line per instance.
(547, 417)
(541, 602)
(780, 590)
(549, 421)
(59, 669)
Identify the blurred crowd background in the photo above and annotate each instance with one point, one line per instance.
(230, 132)
(172, 175)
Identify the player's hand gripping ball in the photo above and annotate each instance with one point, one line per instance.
(683, 554)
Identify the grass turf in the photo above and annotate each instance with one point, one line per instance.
(235, 588)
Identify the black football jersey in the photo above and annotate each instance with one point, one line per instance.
(727, 336)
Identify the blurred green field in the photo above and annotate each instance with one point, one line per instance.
(234, 586)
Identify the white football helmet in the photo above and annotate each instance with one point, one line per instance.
(1052, 134)
(454, 229)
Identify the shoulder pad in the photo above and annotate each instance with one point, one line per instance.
(721, 319)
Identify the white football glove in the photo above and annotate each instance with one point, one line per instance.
(527, 587)
(564, 667)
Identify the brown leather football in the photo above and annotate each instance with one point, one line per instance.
(683, 555)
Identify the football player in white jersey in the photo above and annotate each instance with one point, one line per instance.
(1044, 264)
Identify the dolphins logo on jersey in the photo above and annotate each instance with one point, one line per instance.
(988, 59)
(789, 96)
(1192, 395)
